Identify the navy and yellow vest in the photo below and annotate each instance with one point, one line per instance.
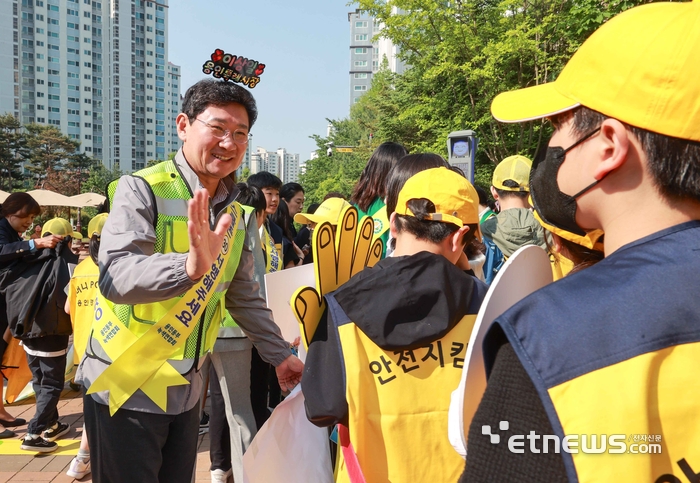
(398, 403)
(615, 350)
(171, 195)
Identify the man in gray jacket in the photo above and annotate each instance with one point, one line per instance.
(142, 441)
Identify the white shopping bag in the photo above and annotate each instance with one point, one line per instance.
(288, 448)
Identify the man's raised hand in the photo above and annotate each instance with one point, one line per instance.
(205, 244)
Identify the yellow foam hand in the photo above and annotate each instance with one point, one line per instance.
(338, 255)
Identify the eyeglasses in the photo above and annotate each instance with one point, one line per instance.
(238, 137)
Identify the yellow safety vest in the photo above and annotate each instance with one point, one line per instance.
(81, 294)
(398, 404)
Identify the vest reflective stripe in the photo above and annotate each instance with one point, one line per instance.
(642, 398)
(171, 195)
(398, 403)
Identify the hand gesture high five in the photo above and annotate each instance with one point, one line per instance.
(338, 255)
(205, 244)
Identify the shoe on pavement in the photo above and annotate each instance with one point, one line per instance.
(56, 431)
(38, 444)
(8, 433)
(78, 468)
(220, 476)
(14, 423)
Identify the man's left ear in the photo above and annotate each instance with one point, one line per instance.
(615, 144)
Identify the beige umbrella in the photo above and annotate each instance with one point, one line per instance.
(3, 196)
(50, 198)
(87, 199)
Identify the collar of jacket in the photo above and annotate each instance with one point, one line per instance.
(192, 180)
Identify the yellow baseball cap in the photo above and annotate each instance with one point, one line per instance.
(58, 226)
(330, 211)
(641, 67)
(96, 224)
(591, 240)
(455, 199)
(516, 168)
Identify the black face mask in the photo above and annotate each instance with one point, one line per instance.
(553, 206)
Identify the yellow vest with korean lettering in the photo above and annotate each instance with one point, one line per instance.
(398, 403)
(171, 196)
(82, 291)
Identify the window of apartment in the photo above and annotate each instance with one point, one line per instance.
(73, 99)
(72, 38)
(40, 31)
(361, 24)
(74, 88)
(360, 88)
(39, 17)
(87, 124)
(70, 11)
(53, 8)
(53, 59)
(73, 51)
(87, 76)
(73, 75)
(361, 76)
(54, 97)
(361, 50)
(39, 3)
(40, 81)
(360, 63)
(55, 122)
(54, 84)
(73, 124)
(40, 107)
(72, 25)
(54, 109)
(86, 14)
(40, 94)
(39, 43)
(53, 47)
(360, 36)
(53, 34)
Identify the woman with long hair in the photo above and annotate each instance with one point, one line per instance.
(370, 191)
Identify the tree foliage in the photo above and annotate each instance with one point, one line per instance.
(462, 54)
(13, 152)
(49, 149)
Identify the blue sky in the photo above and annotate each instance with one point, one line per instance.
(305, 46)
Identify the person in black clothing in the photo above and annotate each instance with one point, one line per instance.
(18, 213)
(292, 195)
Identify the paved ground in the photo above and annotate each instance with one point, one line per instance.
(52, 468)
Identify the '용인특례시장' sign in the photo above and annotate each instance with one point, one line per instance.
(234, 68)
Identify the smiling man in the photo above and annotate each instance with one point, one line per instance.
(174, 264)
(607, 357)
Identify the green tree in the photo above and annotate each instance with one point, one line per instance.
(48, 150)
(245, 174)
(13, 152)
(98, 179)
(462, 54)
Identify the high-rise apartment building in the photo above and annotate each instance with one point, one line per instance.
(366, 56)
(97, 70)
(280, 163)
(289, 166)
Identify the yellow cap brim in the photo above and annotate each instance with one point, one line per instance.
(531, 103)
(306, 218)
